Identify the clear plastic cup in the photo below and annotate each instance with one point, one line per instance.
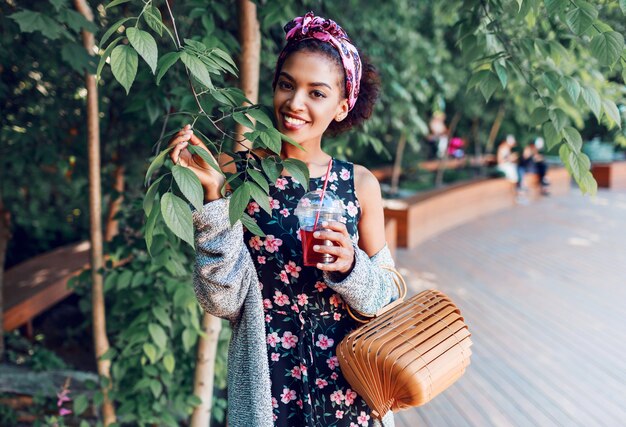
(331, 209)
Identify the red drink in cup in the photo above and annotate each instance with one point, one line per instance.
(312, 208)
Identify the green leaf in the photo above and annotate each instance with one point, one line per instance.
(622, 5)
(588, 184)
(123, 280)
(153, 18)
(251, 225)
(271, 168)
(477, 78)
(592, 99)
(260, 117)
(243, 120)
(189, 185)
(260, 197)
(155, 214)
(148, 200)
(109, 354)
(80, 404)
(559, 119)
(271, 140)
(145, 45)
(552, 137)
(259, 179)
(298, 170)
(205, 155)
(138, 279)
(77, 57)
(116, 3)
(177, 216)
(551, 81)
(488, 86)
(124, 63)
(194, 400)
(189, 339)
(165, 63)
(607, 47)
(580, 18)
(579, 165)
(612, 112)
(238, 202)
(76, 21)
(113, 29)
(501, 72)
(106, 54)
(150, 350)
(197, 68)
(156, 163)
(226, 57)
(58, 4)
(571, 86)
(161, 314)
(156, 387)
(539, 116)
(555, 6)
(158, 335)
(169, 362)
(30, 22)
(572, 136)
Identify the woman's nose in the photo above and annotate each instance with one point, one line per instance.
(296, 101)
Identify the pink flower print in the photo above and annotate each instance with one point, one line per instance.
(260, 259)
(304, 370)
(333, 187)
(335, 300)
(332, 177)
(274, 402)
(267, 303)
(303, 299)
(334, 376)
(339, 414)
(275, 358)
(299, 403)
(344, 174)
(268, 318)
(256, 243)
(350, 396)
(284, 212)
(275, 417)
(289, 340)
(295, 308)
(337, 397)
(343, 220)
(63, 412)
(272, 339)
(283, 277)
(320, 286)
(305, 203)
(324, 342)
(332, 362)
(274, 204)
(280, 183)
(363, 418)
(320, 383)
(272, 243)
(296, 373)
(289, 395)
(253, 207)
(352, 209)
(351, 424)
(337, 316)
(280, 299)
(293, 269)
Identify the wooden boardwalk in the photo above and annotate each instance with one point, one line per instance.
(543, 291)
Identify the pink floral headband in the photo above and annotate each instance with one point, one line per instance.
(310, 26)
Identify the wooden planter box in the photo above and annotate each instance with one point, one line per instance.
(610, 175)
(427, 214)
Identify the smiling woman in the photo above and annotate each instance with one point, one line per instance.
(288, 317)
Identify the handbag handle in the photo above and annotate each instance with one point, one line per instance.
(402, 291)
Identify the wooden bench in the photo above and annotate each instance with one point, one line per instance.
(610, 175)
(37, 284)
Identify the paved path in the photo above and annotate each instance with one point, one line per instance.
(543, 291)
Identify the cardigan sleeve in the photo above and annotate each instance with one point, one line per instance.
(224, 270)
(368, 287)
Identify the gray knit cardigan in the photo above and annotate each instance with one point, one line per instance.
(227, 286)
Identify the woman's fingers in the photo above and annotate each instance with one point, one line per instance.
(334, 236)
(178, 155)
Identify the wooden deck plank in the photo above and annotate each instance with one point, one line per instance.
(542, 290)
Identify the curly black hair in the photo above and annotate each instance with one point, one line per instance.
(369, 85)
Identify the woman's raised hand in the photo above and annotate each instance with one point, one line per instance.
(211, 180)
(342, 248)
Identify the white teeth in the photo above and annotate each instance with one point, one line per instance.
(293, 121)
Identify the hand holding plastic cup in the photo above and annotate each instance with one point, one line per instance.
(312, 211)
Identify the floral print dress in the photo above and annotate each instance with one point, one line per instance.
(305, 319)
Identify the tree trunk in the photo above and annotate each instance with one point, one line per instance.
(495, 128)
(112, 228)
(205, 370)
(5, 235)
(249, 61)
(397, 165)
(443, 162)
(101, 342)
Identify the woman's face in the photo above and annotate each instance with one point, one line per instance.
(308, 96)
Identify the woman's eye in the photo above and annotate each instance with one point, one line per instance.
(284, 85)
(318, 94)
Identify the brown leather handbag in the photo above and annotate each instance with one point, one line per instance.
(407, 353)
